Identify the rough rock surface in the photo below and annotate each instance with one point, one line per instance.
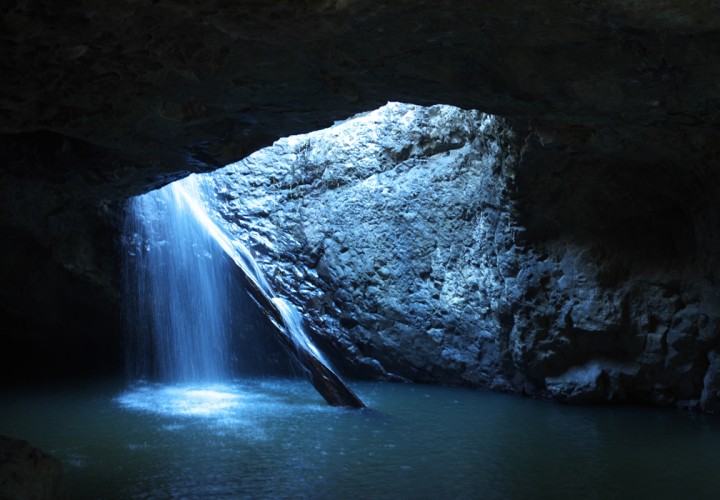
(27, 473)
(409, 239)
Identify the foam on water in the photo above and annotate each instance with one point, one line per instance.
(195, 400)
(221, 402)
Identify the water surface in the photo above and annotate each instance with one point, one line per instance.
(278, 439)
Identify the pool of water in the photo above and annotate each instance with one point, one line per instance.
(278, 439)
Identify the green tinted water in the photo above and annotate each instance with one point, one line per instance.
(277, 439)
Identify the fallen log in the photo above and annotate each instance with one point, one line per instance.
(325, 381)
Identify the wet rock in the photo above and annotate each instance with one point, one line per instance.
(27, 473)
(578, 384)
(710, 398)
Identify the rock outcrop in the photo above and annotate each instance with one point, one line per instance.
(27, 473)
(416, 241)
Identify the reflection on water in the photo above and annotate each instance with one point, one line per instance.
(276, 438)
(210, 401)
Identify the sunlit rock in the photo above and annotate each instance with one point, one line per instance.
(417, 245)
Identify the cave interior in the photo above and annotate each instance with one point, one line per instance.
(610, 111)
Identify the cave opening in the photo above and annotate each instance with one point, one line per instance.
(422, 244)
(564, 247)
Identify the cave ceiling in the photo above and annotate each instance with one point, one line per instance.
(154, 89)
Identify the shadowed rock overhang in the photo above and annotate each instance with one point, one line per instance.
(172, 86)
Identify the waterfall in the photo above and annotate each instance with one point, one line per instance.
(178, 311)
(177, 290)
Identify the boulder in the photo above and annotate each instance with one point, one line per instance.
(27, 473)
(415, 244)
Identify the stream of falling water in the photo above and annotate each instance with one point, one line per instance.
(178, 310)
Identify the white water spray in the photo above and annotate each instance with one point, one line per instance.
(179, 302)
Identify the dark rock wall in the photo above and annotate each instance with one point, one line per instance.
(54, 322)
(29, 473)
(438, 245)
(58, 261)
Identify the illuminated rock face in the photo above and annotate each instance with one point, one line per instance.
(613, 105)
(384, 230)
(410, 241)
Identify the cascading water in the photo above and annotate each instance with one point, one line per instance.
(179, 315)
(178, 310)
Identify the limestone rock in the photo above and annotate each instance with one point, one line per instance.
(412, 241)
(27, 473)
